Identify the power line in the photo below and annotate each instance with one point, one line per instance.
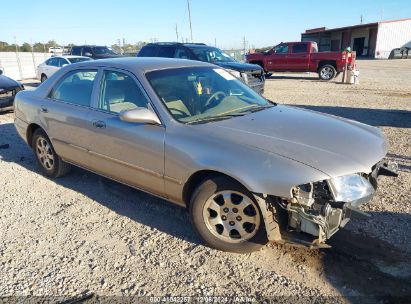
(176, 32)
(189, 19)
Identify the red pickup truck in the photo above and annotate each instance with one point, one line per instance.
(301, 57)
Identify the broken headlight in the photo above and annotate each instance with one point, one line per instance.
(349, 188)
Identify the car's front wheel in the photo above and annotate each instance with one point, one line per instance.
(43, 78)
(227, 217)
(49, 162)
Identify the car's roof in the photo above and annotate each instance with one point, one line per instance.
(144, 64)
(194, 45)
(189, 45)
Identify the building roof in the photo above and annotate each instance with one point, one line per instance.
(372, 24)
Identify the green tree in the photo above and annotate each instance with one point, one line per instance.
(40, 47)
(26, 47)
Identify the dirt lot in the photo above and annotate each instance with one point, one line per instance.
(85, 233)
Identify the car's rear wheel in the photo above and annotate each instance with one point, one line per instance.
(49, 162)
(227, 217)
(43, 78)
(327, 72)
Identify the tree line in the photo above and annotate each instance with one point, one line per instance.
(44, 47)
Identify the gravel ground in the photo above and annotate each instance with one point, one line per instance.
(84, 233)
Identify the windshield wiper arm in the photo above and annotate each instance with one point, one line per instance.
(257, 108)
(215, 118)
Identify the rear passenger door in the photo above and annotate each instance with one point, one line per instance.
(65, 114)
(299, 59)
(132, 153)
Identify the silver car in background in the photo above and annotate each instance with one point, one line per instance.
(247, 169)
(53, 64)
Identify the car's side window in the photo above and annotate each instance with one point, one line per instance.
(52, 62)
(281, 49)
(61, 62)
(118, 92)
(75, 87)
(299, 48)
(148, 51)
(182, 53)
(87, 50)
(76, 51)
(166, 51)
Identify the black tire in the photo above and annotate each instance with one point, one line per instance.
(43, 78)
(203, 193)
(327, 72)
(57, 167)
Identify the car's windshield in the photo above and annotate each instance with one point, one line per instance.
(75, 60)
(202, 94)
(102, 50)
(211, 54)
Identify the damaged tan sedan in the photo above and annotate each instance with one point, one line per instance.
(248, 170)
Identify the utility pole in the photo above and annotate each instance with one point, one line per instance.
(215, 42)
(361, 19)
(244, 44)
(177, 32)
(189, 19)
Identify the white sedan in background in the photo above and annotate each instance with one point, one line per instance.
(53, 64)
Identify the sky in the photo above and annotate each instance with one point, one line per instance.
(226, 22)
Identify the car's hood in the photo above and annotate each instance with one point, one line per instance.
(241, 67)
(7, 83)
(333, 145)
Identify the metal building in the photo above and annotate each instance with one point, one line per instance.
(373, 40)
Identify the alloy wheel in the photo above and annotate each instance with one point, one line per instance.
(326, 73)
(231, 216)
(44, 153)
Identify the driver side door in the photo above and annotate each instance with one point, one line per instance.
(277, 60)
(131, 153)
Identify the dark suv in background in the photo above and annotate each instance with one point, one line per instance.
(251, 74)
(94, 51)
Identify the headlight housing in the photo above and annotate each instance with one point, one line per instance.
(349, 188)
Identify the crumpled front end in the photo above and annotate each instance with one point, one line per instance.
(317, 210)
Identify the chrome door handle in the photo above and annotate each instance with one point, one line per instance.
(44, 109)
(99, 124)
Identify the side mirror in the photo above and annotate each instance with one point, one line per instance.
(88, 54)
(140, 115)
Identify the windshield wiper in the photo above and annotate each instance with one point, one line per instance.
(215, 118)
(257, 108)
